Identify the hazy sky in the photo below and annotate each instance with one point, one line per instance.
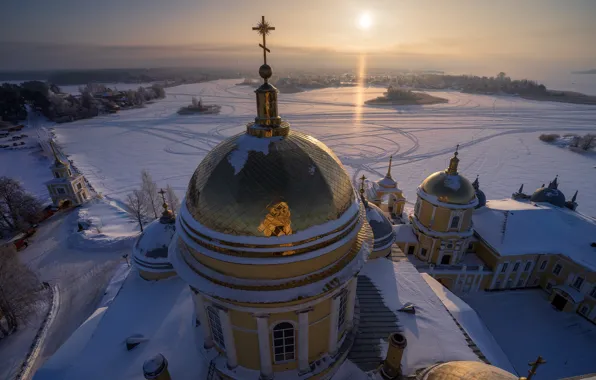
(442, 34)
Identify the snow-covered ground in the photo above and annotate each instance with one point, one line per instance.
(498, 137)
(80, 264)
(525, 325)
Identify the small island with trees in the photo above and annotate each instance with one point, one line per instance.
(403, 97)
(197, 106)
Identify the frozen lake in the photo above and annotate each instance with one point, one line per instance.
(498, 138)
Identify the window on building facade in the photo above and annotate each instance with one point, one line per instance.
(449, 246)
(423, 252)
(527, 267)
(79, 186)
(60, 190)
(593, 292)
(343, 306)
(284, 346)
(411, 249)
(57, 175)
(215, 323)
(454, 222)
(584, 310)
(470, 246)
(577, 284)
(69, 172)
(549, 286)
(515, 267)
(504, 267)
(557, 269)
(543, 265)
(520, 283)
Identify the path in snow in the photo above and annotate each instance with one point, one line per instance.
(498, 137)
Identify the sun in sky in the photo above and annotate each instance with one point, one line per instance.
(365, 21)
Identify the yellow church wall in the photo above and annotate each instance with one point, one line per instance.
(318, 339)
(274, 271)
(567, 267)
(242, 319)
(467, 220)
(486, 254)
(247, 349)
(441, 220)
(425, 212)
(448, 280)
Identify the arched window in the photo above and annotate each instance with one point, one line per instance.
(215, 324)
(454, 222)
(284, 346)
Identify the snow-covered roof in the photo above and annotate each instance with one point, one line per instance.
(161, 311)
(432, 334)
(381, 227)
(472, 324)
(514, 227)
(387, 182)
(575, 295)
(404, 233)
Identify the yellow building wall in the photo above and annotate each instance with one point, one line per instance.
(274, 271)
(318, 340)
(486, 254)
(247, 349)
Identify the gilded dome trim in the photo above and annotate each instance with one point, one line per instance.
(449, 188)
(437, 202)
(301, 237)
(253, 250)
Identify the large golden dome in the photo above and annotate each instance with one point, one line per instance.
(247, 184)
(466, 370)
(449, 186)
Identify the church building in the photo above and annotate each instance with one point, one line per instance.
(67, 186)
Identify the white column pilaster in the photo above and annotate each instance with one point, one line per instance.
(203, 320)
(303, 365)
(520, 270)
(264, 347)
(334, 317)
(351, 303)
(432, 216)
(507, 274)
(228, 334)
(432, 251)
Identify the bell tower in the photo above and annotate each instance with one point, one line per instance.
(66, 185)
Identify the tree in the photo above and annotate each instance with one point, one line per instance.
(20, 291)
(172, 199)
(149, 188)
(588, 141)
(137, 206)
(501, 76)
(18, 209)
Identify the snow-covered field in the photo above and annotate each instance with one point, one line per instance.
(525, 325)
(498, 137)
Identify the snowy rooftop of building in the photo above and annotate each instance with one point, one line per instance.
(160, 311)
(514, 227)
(472, 324)
(431, 333)
(404, 233)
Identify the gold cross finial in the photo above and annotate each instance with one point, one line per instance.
(534, 366)
(456, 149)
(362, 179)
(263, 28)
(163, 197)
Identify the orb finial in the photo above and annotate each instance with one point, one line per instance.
(362, 197)
(267, 123)
(166, 214)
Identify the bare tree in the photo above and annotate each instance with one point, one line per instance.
(18, 209)
(588, 141)
(172, 199)
(151, 196)
(137, 205)
(20, 292)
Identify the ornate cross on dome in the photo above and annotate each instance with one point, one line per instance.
(163, 197)
(362, 179)
(263, 28)
(452, 169)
